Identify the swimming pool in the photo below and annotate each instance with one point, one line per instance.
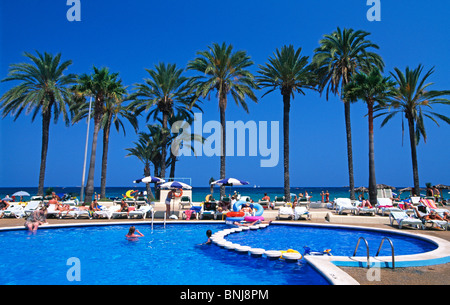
(172, 255)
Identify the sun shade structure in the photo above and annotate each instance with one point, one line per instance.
(150, 179)
(229, 182)
(175, 185)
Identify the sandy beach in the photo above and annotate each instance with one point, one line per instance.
(430, 275)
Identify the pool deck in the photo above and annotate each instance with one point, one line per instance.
(432, 269)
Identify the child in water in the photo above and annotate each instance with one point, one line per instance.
(131, 233)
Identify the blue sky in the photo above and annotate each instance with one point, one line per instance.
(130, 36)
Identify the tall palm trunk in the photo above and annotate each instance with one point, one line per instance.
(372, 178)
(412, 140)
(172, 166)
(164, 144)
(348, 128)
(286, 110)
(46, 117)
(90, 180)
(148, 188)
(222, 105)
(106, 132)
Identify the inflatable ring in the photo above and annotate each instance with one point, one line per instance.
(181, 193)
(235, 214)
(129, 192)
(288, 252)
(253, 218)
(259, 209)
(237, 205)
(231, 220)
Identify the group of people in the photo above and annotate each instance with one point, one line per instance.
(433, 192)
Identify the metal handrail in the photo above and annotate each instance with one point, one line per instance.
(392, 250)
(367, 247)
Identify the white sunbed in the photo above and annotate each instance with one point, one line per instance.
(14, 210)
(402, 219)
(141, 212)
(286, 212)
(364, 210)
(344, 204)
(385, 205)
(31, 207)
(434, 222)
(52, 211)
(76, 213)
(106, 212)
(299, 212)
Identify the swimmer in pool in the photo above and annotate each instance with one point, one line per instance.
(133, 234)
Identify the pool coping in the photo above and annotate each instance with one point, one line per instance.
(328, 266)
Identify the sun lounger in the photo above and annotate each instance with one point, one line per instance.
(428, 203)
(403, 219)
(31, 207)
(208, 210)
(106, 212)
(264, 203)
(118, 214)
(279, 202)
(300, 212)
(185, 201)
(304, 202)
(14, 210)
(285, 212)
(364, 210)
(443, 224)
(142, 212)
(52, 211)
(344, 204)
(385, 205)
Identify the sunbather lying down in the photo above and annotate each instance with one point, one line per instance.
(248, 224)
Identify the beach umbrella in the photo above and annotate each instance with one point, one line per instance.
(21, 194)
(384, 186)
(229, 182)
(7, 199)
(361, 189)
(442, 186)
(150, 179)
(175, 185)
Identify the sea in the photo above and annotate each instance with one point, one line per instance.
(199, 193)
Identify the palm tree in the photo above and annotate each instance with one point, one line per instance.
(225, 72)
(103, 86)
(43, 89)
(180, 138)
(340, 55)
(289, 72)
(168, 90)
(113, 112)
(148, 151)
(413, 99)
(371, 88)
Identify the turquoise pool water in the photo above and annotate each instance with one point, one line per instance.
(172, 255)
